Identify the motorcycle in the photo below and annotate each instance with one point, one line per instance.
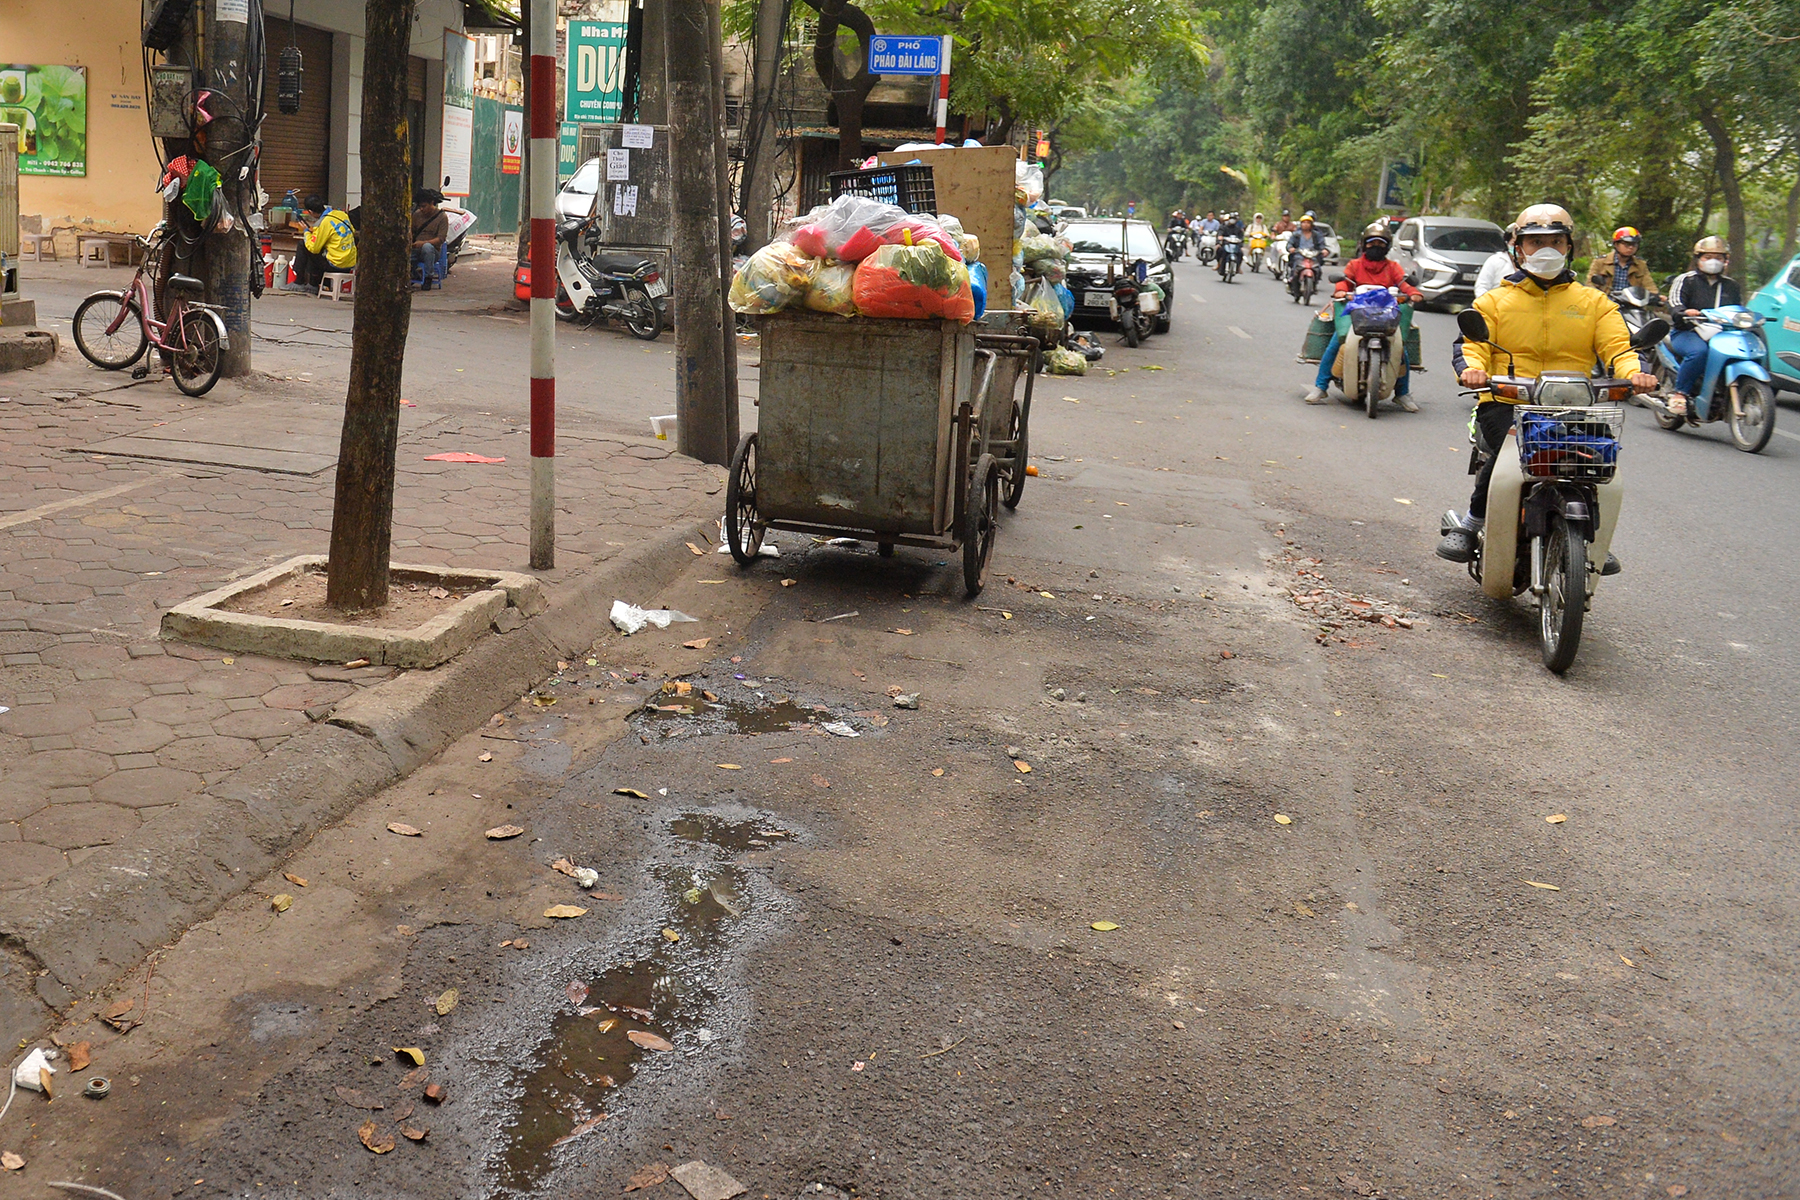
(1135, 303)
(1735, 388)
(1208, 248)
(1556, 491)
(1259, 246)
(594, 283)
(1278, 258)
(1374, 314)
(1175, 245)
(1303, 274)
(1231, 257)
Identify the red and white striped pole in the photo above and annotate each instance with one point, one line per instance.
(943, 101)
(543, 284)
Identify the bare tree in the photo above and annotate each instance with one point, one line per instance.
(848, 90)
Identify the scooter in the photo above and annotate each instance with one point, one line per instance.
(1259, 246)
(1374, 314)
(594, 283)
(1208, 248)
(1556, 491)
(1135, 304)
(1303, 275)
(1231, 257)
(1736, 386)
(1175, 245)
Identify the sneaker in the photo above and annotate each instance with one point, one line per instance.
(1406, 403)
(1315, 396)
(1678, 404)
(1613, 566)
(1458, 545)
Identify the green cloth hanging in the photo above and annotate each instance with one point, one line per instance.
(198, 195)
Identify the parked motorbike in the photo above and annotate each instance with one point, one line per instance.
(1207, 248)
(1259, 246)
(1134, 303)
(1231, 257)
(1175, 245)
(1368, 368)
(1735, 387)
(1303, 274)
(594, 283)
(1556, 491)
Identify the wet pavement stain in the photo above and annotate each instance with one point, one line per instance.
(664, 995)
(730, 715)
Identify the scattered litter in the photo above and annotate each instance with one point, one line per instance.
(355, 663)
(694, 548)
(444, 1003)
(1548, 887)
(1598, 1122)
(839, 729)
(371, 1136)
(1283, 819)
(1557, 818)
(1104, 926)
(412, 1054)
(485, 756)
(769, 549)
(293, 879)
(842, 616)
(11, 1161)
(435, 1092)
(97, 1088)
(35, 1071)
(902, 632)
(459, 456)
(632, 792)
(821, 781)
(938, 771)
(644, 1039)
(413, 1135)
(907, 700)
(500, 833)
(728, 766)
(647, 1176)
(1031, 469)
(789, 582)
(696, 644)
(281, 903)
(404, 830)
(587, 1126)
(1023, 766)
(629, 618)
(564, 912)
(704, 1182)
(80, 1055)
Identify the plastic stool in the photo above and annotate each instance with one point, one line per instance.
(337, 284)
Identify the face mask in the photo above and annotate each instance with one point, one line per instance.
(1547, 262)
(1712, 266)
(1375, 253)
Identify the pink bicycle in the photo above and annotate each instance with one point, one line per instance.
(113, 329)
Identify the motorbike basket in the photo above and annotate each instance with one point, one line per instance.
(1570, 443)
(1366, 321)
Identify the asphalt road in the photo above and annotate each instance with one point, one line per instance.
(876, 958)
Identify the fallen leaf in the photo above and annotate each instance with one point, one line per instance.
(357, 662)
(1598, 1122)
(563, 912)
(119, 1009)
(80, 1055)
(588, 1125)
(696, 644)
(647, 1176)
(46, 1080)
(821, 781)
(1024, 767)
(1283, 819)
(500, 833)
(697, 550)
(577, 990)
(710, 697)
(445, 1003)
(413, 1135)
(632, 792)
(438, 593)
(486, 756)
(671, 935)
(938, 771)
(282, 902)
(356, 1099)
(1557, 818)
(1548, 887)
(780, 760)
(372, 1138)
(1301, 910)
(649, 1041)
(13, 1162)
(1047, 595)
(1627, 961)
(412, 1054)
(1398, 500)
(403, 830)
(408, 1081)
(293, 879)
(1104, 926)
(728, 766)
(789, 582)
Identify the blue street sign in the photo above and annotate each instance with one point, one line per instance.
(905, 55)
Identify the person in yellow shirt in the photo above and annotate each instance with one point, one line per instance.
(1548, 322)
(329, 244)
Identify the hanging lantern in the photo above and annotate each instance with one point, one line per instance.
(287, 81)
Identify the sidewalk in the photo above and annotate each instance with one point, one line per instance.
(120, 500)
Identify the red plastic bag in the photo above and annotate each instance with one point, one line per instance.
(851, 228)
(914, 283)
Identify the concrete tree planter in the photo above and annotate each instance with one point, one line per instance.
(500, 600)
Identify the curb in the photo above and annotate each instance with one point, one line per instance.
(96, 922)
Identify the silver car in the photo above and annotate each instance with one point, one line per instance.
(1445, 254)
(576, 199)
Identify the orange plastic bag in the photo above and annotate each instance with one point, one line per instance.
(914, 283)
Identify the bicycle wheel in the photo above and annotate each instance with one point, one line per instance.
(196, 360)
(110, 351)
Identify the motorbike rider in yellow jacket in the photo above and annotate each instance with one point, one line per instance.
(1548, 322)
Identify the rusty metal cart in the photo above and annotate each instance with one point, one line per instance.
(897, 432)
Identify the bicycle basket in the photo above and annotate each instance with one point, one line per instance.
(1570, 443)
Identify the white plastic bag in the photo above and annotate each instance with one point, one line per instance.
(26, 1073)
(629, 618)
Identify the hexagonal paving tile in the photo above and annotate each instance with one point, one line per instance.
(45, 720)
(70, 826)
(300, 696)
(159, 668)
(147, 787)
(230, 685)
(23, 864)
(60, 768)
(136, 736)
(260, 723)
(179, 709)
(206, 753)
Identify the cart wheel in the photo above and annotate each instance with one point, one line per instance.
(980, 522)
(743, 532)
(1020, 435)
(885, 549)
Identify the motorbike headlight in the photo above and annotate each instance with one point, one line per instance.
(1745, 320)
(1574, 393)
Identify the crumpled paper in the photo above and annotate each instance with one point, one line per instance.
(629, 618)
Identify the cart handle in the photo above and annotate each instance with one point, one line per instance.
(979, 397)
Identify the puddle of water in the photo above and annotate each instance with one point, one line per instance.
(736, 716)
(666, 991)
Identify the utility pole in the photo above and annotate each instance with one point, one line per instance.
(704, 404)
(542, 102)
(362, 517)
(759, 131)
(728, 377)
(224, 142)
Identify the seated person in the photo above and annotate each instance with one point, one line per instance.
(430, 229)
(329, 244)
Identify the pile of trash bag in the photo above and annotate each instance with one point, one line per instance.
(914, 282)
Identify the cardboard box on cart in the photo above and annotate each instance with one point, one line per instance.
(976, 186)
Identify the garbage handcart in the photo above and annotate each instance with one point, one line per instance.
(909, 433)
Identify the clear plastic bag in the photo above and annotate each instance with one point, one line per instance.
(1065, 362)
(914, 282)
(833, 289)
(776, 277)
(1043, 310)
(1029, 180)
(850, 229)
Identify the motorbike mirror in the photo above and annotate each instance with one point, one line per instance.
(1337, 277)
(1474, 326)
(1637, 295)
(1652, 332)
(1412, 278)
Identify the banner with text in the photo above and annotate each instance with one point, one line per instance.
(594, 72)
(459, 111)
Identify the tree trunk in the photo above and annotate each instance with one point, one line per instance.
(728, 375)
(362, 518)
(706, 428)
(1725, 164)
(759, 131)
(847, 91)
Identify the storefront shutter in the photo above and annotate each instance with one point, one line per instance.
(296, 149)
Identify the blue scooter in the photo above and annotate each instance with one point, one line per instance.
(1735, 387)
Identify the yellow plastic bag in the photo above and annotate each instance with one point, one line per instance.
(832, 289)
(774, 278)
